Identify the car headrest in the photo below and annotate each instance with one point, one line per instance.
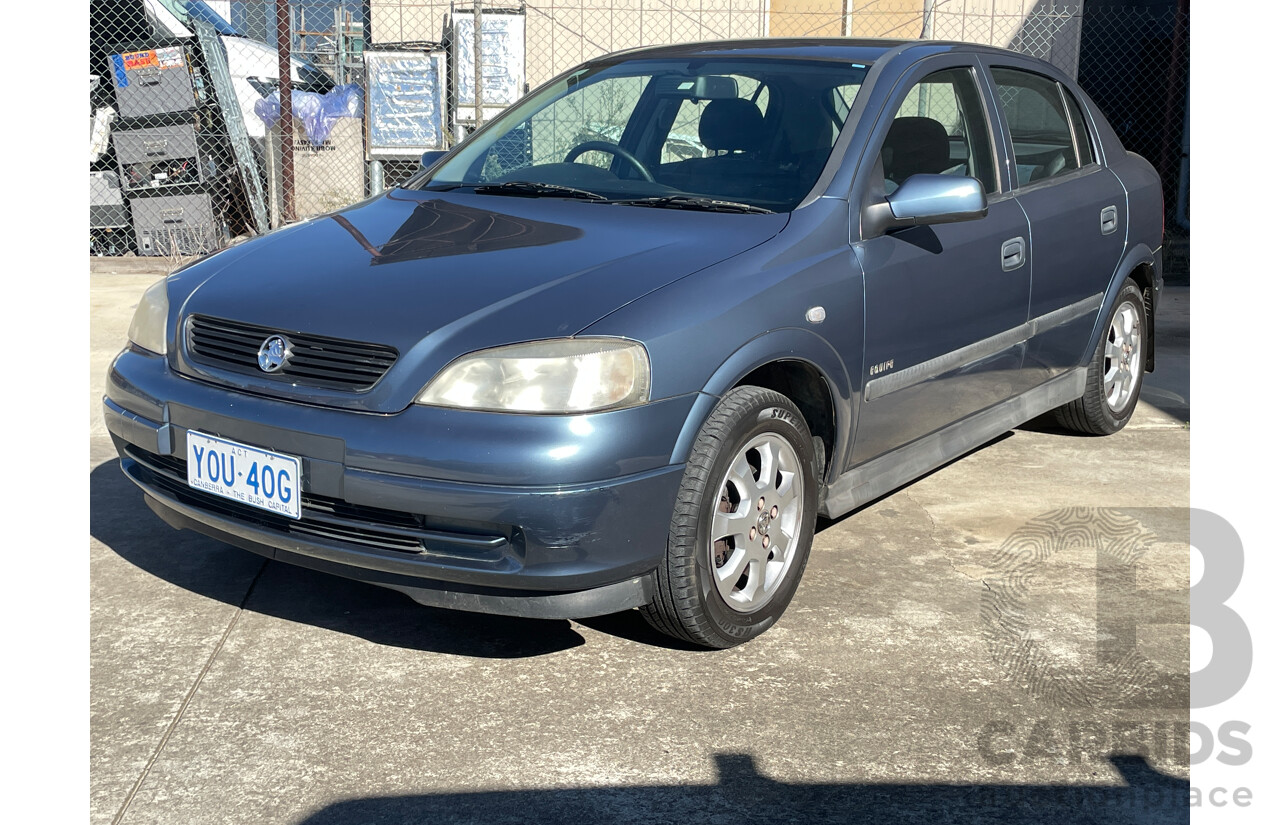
(732, 123)
(808, 130)
(915, 145)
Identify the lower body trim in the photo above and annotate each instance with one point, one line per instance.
(890, 471)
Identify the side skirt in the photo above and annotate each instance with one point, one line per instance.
(890, 471)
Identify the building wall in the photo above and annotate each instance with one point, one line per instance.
(566, 36)
(806, 18)
(563, 33)
(1042, 28)
(1039, 28)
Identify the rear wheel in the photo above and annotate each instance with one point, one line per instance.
(743, 523)
(1115, 373)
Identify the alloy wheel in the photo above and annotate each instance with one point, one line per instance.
(1122, 356)
(754, 528)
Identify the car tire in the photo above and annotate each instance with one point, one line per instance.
(718, 591)
(1115, 373)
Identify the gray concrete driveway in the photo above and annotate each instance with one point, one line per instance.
(942, 661)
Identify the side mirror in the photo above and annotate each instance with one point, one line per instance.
(429, 158)
(927, 199)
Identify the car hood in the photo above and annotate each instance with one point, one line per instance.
(437, 275)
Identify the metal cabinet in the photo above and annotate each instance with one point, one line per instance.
(159, 156)
(172, 225)
(153, 82)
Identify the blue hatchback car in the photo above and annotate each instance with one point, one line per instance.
(623, 345)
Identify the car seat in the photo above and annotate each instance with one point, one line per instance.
(914, 146)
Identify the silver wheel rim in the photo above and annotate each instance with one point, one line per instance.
(755, 522)
(1122, 357)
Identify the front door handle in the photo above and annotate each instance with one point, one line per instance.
(1110, 220)
(1013, 254)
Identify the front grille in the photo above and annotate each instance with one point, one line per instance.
(316, 361)
(326, 518)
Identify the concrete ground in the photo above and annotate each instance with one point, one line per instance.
(945, 658)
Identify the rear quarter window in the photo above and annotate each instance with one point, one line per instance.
(1084, 142)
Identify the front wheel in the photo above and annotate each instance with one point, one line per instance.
(743, 523)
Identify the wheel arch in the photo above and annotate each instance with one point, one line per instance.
(796, 363)
(1140, 264)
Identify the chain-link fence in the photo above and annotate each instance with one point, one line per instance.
(191, 145)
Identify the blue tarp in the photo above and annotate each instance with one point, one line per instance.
(316, 112)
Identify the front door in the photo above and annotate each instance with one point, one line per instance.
(946, 305)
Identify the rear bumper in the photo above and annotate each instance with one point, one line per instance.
(541, 550)
(1157, 290)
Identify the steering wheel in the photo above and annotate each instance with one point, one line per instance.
(610, 149)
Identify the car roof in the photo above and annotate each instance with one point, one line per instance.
(836, 49)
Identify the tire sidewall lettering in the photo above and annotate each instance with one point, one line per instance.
(779, 414)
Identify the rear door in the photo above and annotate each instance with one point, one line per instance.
(1076, 207)
(946, 305)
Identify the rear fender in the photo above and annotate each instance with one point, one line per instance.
(1138, 255)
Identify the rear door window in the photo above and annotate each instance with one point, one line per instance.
(1042, 142)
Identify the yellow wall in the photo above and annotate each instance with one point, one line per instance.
(563, 33)
(806, 18)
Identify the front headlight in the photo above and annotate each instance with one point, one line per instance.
(150, 320)
(567, 375)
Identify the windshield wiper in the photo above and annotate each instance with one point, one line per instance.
(535, 189)
(693, 202)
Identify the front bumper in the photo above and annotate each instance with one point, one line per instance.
(567, 519)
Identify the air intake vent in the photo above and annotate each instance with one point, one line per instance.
(311, 360)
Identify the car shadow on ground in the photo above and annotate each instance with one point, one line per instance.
(119, 518)
(743, 795)
(1048, 424)
(630, 625)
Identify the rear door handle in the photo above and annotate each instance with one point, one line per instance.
(1110, 220)
(1013, 254)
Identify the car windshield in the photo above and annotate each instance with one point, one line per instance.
(707, 133)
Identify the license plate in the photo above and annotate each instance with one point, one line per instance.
(259, 478)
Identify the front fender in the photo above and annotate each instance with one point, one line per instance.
(787, 344)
